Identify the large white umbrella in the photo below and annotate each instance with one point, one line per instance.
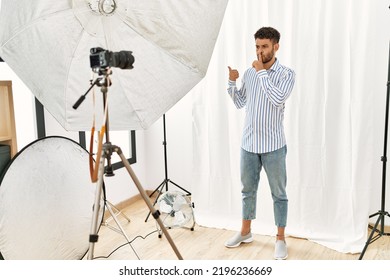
(47, 44)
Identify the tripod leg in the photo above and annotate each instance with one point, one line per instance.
(113, 214)
(117, 213)
(93, 237)
(155, 213)
(121, 230)
(183, 189)
(369, 240)
(159, 189)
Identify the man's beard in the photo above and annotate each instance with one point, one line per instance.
(268, 58)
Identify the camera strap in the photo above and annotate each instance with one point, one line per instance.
(94, 167)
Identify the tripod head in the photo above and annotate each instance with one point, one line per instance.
(102, 81)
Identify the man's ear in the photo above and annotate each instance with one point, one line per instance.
(276, 47)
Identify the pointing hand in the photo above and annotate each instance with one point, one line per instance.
(233, 74)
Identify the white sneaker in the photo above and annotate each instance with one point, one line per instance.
(237, 239)
(280, 250)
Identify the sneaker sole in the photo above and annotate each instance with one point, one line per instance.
(280, 259)
(249, 240)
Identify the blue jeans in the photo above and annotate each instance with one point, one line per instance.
(274, 164)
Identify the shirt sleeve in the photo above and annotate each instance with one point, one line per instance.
(277, 93)
(238, 95)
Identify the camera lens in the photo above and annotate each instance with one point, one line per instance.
(123, 60)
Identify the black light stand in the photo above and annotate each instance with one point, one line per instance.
(166, 180)
(381, 213)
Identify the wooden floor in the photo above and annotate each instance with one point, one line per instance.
(207, 243)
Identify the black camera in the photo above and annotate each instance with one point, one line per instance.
(101, 58)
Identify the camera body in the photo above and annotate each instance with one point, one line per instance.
(101, 59)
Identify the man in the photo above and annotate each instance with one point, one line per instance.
(264, 90)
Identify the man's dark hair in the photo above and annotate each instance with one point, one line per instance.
(268, 33)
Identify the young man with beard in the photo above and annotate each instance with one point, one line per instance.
(264, 90)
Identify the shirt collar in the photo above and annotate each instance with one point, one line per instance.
(275, 65)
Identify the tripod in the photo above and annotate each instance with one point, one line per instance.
(166, 180)
(382, 213)
(105, 155)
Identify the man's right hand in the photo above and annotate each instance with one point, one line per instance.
(233, 74)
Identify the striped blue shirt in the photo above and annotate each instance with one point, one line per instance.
(263, 94)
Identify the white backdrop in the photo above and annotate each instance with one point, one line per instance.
(334, 118)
